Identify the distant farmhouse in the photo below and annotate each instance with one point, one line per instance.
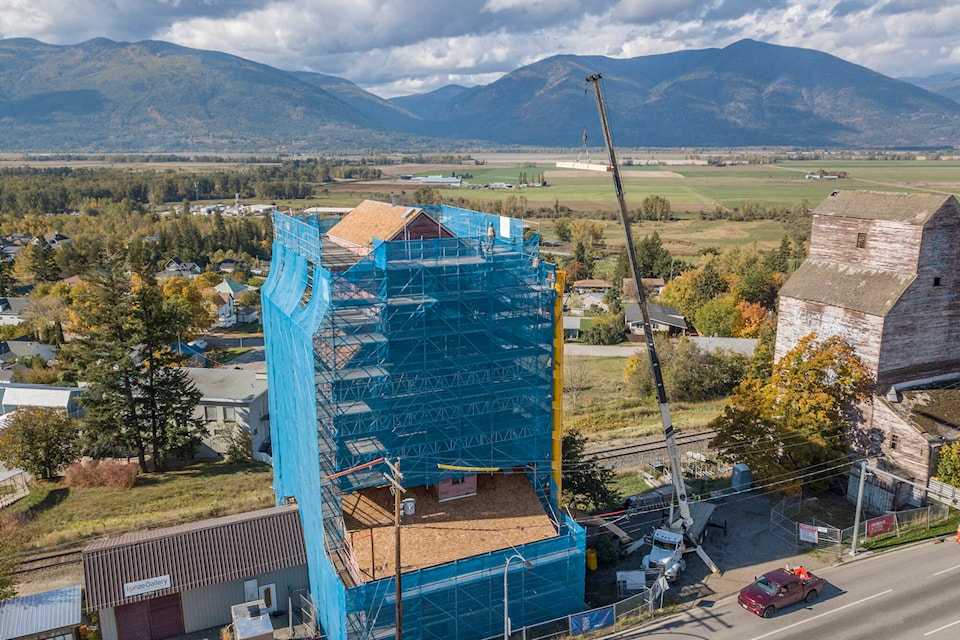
(882, 273)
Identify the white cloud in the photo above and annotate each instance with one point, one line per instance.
(403, 46)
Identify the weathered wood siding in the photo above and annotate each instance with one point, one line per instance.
(911, 452)
(798, 318)
(921, 334)
(888, 245)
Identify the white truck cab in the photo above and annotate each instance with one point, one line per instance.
(666, 553)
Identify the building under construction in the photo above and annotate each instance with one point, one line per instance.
(429, 338)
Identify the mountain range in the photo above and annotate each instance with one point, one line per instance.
(106, 96)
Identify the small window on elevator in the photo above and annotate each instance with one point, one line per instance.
(861, 240)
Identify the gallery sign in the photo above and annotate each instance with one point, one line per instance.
(149, 585)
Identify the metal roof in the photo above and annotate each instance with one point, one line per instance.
(193, 555)
(40, 613)
(227, 385)
(37, 396)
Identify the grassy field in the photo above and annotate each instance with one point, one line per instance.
(603, 408)
(62, 516)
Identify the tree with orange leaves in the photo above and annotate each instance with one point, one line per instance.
(792, 429)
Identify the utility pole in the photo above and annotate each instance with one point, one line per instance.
(397, 489)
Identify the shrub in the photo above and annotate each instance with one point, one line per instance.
(111, 474)
(608, 552)
(240, 447)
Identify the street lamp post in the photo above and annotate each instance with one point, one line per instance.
(506, 599)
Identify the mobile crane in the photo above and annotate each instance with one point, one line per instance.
(684, 524)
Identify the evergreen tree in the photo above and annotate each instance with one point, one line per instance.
(139, 399)
(43, 261)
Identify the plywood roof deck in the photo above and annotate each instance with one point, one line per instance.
(504, 513)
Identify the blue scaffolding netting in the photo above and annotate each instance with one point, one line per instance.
(434, 352)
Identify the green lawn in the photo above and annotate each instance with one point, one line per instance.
(602, 408)
(60, 515)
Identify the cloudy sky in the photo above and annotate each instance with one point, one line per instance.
(397, 47)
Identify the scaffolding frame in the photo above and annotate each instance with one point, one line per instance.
(434, 351)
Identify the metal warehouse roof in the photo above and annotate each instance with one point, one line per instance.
(193, 555)
(40, 613)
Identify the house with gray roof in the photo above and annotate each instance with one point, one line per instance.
(232, 401)
(11, 309)
(662, 318)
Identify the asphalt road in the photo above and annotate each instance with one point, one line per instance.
(910, 593)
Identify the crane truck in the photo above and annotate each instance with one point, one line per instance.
(683, 533)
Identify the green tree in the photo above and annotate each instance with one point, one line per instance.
(39, 440)
(796, 423)
(717, 317)
(562, 228)
(655, 207)
(612, 298)
(586, 483)
(427, 195)
(42, 261)
(948, 466)
(139, 399)
(690, 374)
(653, 261)
(606, 329)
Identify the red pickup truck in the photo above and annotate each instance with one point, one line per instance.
(776, 589)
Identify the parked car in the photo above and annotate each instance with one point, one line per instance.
(776, 589)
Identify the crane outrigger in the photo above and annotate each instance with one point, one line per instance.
(685, 522)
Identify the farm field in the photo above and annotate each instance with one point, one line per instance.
(691, 189)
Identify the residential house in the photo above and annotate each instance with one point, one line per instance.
(232, 401)
(55, 239)
(226, 310)
(25, 348)
(571, 327)
(176, 267)
(11, 309)
(651, 287)
(592, 285)
(194, 351)
(662, 318)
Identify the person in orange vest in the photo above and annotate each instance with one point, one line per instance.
(802, 574)
(958, 533)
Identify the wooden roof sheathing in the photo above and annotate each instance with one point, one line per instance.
(194, 555)
(371, 219)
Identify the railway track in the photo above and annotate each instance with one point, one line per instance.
(654, 445)
(39, 562)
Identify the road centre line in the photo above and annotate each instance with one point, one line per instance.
(826, 613)
(946, 626)
(946, 570)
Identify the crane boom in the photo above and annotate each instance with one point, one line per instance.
(686, 519)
